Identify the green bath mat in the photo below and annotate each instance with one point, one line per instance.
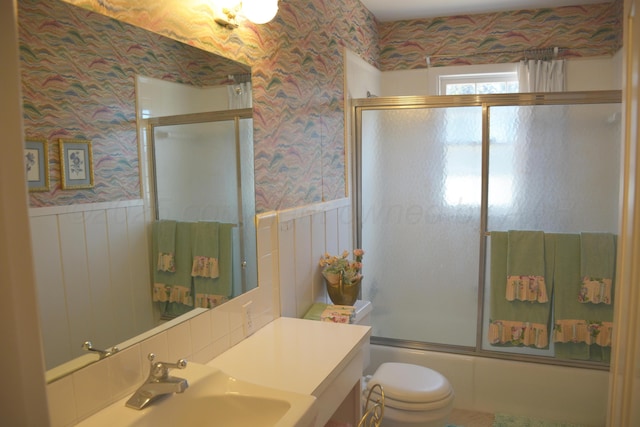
(505, 420)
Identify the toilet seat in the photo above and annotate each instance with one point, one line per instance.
(412, 387)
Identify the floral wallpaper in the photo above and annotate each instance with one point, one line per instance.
(578, 31)
(298, 69)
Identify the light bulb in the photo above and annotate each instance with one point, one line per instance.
(260, 11)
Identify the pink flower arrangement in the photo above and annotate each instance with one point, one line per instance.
(335, 268)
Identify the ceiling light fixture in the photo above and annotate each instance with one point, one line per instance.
(231, 12)
(260, 11)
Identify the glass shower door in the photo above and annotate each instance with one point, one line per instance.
(561, 164)
(421, 186)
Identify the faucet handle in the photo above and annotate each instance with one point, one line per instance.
(88, 346)
(160, 370)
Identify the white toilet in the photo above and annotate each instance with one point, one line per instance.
(413, 395)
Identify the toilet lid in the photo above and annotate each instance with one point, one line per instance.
(403, 382)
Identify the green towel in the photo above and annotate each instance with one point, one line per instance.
(214, 240)
(205, 250)
(526, 267)
(502, 310)
(526, 253)
(180, 247)
(315, 311)
(567, 280)
(165, 235)
(205, 238)
(181, 278)
(164, 243)
(597, 255)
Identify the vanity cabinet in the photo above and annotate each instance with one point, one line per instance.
(321, 359)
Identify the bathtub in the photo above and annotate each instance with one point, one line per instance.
(539, 391)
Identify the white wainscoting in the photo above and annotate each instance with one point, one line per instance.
(304, 234)
(198, 339)
(92, 274)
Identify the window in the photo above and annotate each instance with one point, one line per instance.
(480, 84)
(462, 173)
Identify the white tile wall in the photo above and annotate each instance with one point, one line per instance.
(198, 339)
(305, 234)
(75, 275)
(289, 245)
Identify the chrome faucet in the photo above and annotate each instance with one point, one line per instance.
(159, 383)
(102, 353)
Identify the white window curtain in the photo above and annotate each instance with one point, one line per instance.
(239, 95)
(536, 75)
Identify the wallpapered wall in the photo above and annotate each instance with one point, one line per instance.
(297, 64)
(78, 82)
(578, 31)
(298, 69)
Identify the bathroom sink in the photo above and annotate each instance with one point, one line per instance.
(213, 399)
(219, 410)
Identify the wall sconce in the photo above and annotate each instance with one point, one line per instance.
(256, 11)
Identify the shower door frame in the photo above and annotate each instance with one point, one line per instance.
(234, 115)
(358, 106)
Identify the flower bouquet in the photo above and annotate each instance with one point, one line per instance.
(342, 276)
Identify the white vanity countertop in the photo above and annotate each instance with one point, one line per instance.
(296, 355)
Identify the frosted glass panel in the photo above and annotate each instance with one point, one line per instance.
(189, 158)
(554, 168)
(421, 187)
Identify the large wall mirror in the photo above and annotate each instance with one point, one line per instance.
(171, 132)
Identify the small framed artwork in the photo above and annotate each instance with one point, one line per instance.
(36, 160)
(76, 164)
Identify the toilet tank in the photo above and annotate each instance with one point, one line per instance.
(363, 313)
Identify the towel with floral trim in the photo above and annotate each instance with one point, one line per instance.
(205, 250)
(581, 331)
(597, 267)
(338, 314)
(514, 323)
(164, 237)
(526, 267)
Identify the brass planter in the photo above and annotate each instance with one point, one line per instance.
(342, 293)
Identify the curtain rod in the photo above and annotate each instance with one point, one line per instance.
(240, 78)
(536, 53)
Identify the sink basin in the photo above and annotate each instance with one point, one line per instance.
(213, 399)
(224, 409)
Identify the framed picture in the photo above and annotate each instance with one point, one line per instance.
(76, 164)
(36, 160)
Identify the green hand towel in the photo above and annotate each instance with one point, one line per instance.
(597, 255)
(164, 241)
(567, 282)
(205, 250)
(526, 267)
(182, 252)
(567, 279)
(181, 278)
(315, 311)
(165, 235)
(215, 240)
(526, 253)
(513, 315)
